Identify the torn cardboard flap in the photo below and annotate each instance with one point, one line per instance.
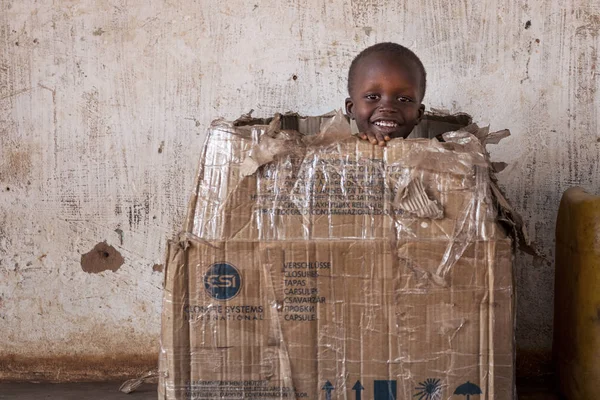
(268, 150)
(507, 215)
(413, 199)
(317, 266)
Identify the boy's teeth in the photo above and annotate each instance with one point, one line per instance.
(390, 124)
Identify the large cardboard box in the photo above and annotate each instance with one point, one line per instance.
(322, 267)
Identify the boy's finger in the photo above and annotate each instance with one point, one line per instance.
(376, 139)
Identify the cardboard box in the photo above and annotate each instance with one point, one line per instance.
(322, 267)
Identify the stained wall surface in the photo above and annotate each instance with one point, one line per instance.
(104, 104)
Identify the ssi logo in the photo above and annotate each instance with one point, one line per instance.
(222, 281)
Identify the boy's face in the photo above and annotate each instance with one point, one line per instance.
(386, 97)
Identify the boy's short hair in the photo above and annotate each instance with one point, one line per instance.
(393, 50)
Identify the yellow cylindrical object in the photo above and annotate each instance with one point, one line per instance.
(576, 345)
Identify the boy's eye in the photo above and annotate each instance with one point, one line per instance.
(404, 99)
(372, 96)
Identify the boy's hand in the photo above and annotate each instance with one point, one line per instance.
(374, 138)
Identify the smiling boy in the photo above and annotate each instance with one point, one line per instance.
(386, 85)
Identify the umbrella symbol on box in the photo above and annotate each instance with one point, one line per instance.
(468, 389)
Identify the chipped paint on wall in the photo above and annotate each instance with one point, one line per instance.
(158, 268)
(103, 257)
(103, 106)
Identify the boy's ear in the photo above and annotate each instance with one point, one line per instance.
(349, 107)
(421, 113)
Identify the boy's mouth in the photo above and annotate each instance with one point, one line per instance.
(386, 124)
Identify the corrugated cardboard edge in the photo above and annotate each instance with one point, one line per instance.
(414, 200)
(176, 337)
(189, 221)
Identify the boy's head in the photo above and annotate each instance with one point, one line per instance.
(386, 85)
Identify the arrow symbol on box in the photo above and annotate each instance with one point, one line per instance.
(359, 388)
(327, 387)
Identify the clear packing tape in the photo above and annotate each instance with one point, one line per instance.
(314, 264)
(266, 182)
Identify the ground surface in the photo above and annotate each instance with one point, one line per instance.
(73, 391)
(110, 391)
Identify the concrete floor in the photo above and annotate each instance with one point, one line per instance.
(533, 390)
(73, 391)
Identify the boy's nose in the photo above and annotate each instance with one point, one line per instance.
(389, 103)
(388, 107)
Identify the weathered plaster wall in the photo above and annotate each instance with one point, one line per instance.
(103, 105)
